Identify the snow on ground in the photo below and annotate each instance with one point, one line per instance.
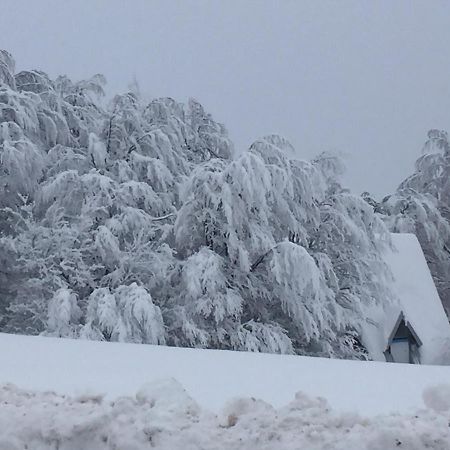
(163, 416)
(74, 394)
(212, 377)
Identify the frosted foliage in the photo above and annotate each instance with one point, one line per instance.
(423, 215)
(331, 168)
(302, 290)
(94, 85)
(199, 216)
(295, 186)
(152, 171)
(21, 163)
(141, 195)
(353, 236)
(206, 286)
(64, 159)
(63, 314)
(102, 316)
(21, 109)
(272, 144)
(141, 320)
(437, 142)
(83, 93)
(131, 223)
(325, 266)
(421, 205)
(99, 193)
(207, 310)
(107, 246)
(33, 81)
(350, 221)
(43, 260)
(257, 211)
(212, 137)
(139, 210)
(7, 66)
(126, 315)
(433, 170)
(262, 337)
(97, 151)
(90, 195)
(254, 203)
(63, 191)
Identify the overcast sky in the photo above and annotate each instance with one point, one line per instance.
(365, 78)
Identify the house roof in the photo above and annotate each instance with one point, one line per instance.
(401, 318)
(416, 299)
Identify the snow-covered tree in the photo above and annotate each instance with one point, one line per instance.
(7, 66)
(271, 220)
(133, 221)
(421, 205)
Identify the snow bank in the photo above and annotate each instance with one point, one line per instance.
(163, 416)
(211, 377)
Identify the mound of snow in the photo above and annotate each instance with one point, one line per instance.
(163, 416)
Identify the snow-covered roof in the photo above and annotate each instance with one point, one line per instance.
(418, 300)
(398, 323)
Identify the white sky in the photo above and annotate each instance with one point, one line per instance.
(366, 78)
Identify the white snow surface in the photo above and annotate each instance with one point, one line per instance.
(76, 394)
(163, 416)
(418, 299)
(212, 377)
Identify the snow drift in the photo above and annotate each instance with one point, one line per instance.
(163, 416)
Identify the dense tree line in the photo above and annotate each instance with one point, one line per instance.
(136, 221)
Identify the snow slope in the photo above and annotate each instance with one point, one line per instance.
(212, 377)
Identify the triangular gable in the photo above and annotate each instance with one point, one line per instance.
(401, 318)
